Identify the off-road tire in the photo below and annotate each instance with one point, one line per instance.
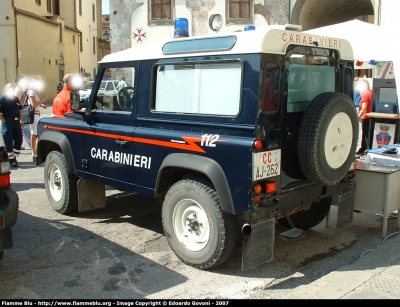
(328, 137)
(310, 218)
(60, 184)
(189, 200)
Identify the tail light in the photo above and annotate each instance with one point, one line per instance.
(4, 168)
(5, 180)
(270, 187)
(267, 188)
(257, 188)
(257, 144)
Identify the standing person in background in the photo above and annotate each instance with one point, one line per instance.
(61, 103)
(60, 86)
(357, 96)
(21, 88)
(122, 83)
(10, 116)
(365, 107)
(20, 92)
(35, 86)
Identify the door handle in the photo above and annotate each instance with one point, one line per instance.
(121, 143)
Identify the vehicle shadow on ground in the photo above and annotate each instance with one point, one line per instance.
(19, 187)
(145, 212)
(54, 259)
(124, 207)
(142, 214)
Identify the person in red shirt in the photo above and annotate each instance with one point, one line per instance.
(61, 103)
(365, 107)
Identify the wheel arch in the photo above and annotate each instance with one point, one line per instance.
(206, 166)
(51, 140)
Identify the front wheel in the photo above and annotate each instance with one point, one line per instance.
(60, 184)
(198, 231)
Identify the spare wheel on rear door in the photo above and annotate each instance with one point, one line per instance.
(328, 137)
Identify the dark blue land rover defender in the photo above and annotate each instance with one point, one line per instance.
(232, 131)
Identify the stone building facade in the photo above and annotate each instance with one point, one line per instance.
(49, 38)
(135, 21)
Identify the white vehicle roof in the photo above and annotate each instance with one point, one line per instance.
(265, 39)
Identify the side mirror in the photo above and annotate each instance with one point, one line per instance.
(74, 101)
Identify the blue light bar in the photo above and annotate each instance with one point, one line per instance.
(181, 28)
(249, 28)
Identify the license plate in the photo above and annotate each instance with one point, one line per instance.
(266, 164)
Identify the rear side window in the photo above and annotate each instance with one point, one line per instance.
(205, 88)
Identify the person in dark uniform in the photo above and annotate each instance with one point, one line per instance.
(11, 128)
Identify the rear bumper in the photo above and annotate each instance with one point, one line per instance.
(9, 204)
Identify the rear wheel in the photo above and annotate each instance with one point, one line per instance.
(198, 231)
(309, 218)
(60, 184)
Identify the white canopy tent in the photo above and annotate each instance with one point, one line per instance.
(369, 42)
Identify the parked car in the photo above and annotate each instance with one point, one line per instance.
(107, 94)
(84, 93)
(9, 202)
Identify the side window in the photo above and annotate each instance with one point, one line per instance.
(110, 86)
(116, 92)
(203, 88)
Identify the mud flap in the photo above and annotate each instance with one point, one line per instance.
(345, 203)
(91, 195)
(258, 248)
(6, 241)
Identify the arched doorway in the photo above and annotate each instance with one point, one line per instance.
(319, 13)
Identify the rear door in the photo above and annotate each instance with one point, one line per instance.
(309, 72)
